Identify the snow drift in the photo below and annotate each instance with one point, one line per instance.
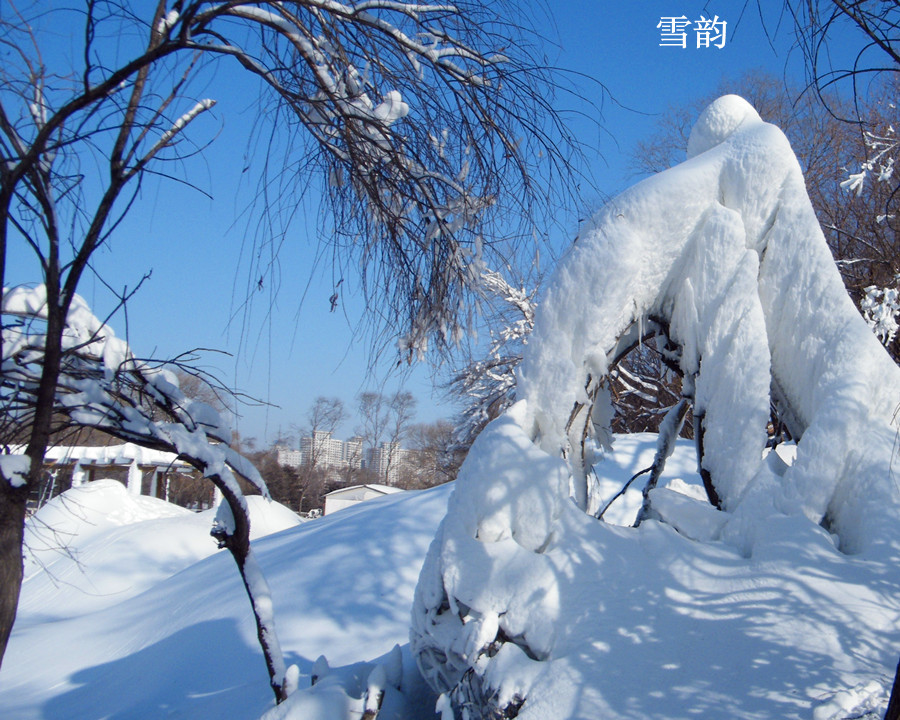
(78, 546)
(149, 620)
(525, 598)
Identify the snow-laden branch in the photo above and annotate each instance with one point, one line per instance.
(102, 385)
(880, 307)
(486, 386)
(883, 149)
(179, 125)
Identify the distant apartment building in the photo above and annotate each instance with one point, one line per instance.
(353, 453)
(322, 450)
(387, 461)
(289, 457)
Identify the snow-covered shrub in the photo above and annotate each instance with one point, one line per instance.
(877, 182)
(518, 600)
(882, 144)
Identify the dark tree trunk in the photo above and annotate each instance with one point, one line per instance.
(13, 499)
(893, 708)
(705, 476)
(238, 544)
(12, 530)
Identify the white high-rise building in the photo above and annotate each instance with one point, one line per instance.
(353, 453)
(387, 461)
(322, 450)
(289, 457)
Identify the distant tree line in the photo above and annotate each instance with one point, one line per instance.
(429, 455)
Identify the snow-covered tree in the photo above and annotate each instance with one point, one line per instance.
(872, 184)
(486, 386)
(427, 126)
(847, 167)
(642, 385)
(722, 257)
(102, 385)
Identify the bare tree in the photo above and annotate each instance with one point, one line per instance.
(644, 389)
(429, 125)
(324, 416)
(372, 413)
(326, 413)
(818, 22)
(434, 455)
(384, 423)
(195, 385)
(849, 71)
(300, 488)
(402, 411)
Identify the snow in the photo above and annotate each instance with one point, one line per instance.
(881, 307)
(608, 621)
(781, 605)
(158, 613)
(678, 628)
(777, 603)
(79, 543)
(115, 454)
(89, 388)
(14, 469)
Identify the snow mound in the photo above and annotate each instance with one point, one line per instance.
(268, 516)
(760, 598)
(186, 645)
(718, 122)
(91, 508)
(97, 545)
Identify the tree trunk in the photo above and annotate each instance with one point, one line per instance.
(238, 544)
(669, 430)
(12, 532)
(705, 476)
(12, 499)
(893, 708)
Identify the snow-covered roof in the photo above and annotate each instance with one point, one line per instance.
(122, 454)
(383, 489)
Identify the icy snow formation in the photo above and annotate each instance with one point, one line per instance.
(722, 257)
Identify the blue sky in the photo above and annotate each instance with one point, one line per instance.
(291, 349)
